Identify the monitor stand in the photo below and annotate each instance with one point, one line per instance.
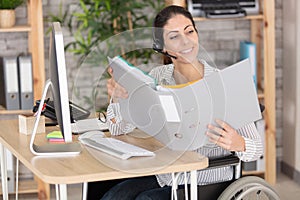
(50, 149)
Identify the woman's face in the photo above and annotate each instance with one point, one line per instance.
(181, 39)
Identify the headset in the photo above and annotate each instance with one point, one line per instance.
(158, 46)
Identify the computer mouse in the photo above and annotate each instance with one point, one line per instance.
(92, 135)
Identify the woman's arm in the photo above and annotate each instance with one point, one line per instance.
(246, 141)
(115, 90)
(253, 143)
(116, 125)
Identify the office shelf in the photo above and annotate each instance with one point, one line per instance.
(263, 35)
(249, 17)
(34, 27)
(25, 187)
(3, 111)
(17, 28)
(260, 94)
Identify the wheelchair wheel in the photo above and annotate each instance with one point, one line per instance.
(249, 187)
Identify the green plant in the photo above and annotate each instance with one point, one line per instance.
(10, 4)
(97, 20)
(93, 24)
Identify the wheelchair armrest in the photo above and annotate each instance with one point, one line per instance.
(223, 161)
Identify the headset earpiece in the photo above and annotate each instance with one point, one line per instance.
(158, 46)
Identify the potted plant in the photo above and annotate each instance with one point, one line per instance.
(7, 12)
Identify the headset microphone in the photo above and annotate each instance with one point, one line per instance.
(158, 47)
(167, 54)
(164, 53)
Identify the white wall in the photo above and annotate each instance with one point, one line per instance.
(291, 84)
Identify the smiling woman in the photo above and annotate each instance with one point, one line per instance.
(181, 39)
(176, 36)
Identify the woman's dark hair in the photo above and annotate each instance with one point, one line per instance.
(161, 20)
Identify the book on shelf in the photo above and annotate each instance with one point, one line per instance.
(248, 50)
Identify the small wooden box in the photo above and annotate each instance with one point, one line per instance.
(26, 124)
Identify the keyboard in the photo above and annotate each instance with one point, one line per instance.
(76, 112)
(116, 147)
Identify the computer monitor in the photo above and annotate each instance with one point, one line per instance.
(59, 87)
(58, 77)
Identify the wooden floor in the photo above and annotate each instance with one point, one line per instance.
(286, 188)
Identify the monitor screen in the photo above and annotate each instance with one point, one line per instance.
(58, 77)
(59, 86)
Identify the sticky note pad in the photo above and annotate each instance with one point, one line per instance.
(55, 134)
(56, 140)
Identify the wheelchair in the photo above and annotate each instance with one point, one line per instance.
(239, 188)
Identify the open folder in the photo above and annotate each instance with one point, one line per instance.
(178, 117)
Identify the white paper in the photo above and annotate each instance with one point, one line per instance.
(85, 125)
(169, 107)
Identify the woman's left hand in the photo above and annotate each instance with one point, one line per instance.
(226, 136)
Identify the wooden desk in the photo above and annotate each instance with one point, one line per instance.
(88, 168)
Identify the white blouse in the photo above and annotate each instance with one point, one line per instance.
(254, 148)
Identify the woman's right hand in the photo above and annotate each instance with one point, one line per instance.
(114, 89)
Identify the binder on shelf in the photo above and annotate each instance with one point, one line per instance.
(25, 82)
(9, 83)
(10, 171)
(248, 50)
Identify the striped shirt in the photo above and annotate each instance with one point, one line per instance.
(254, 148)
